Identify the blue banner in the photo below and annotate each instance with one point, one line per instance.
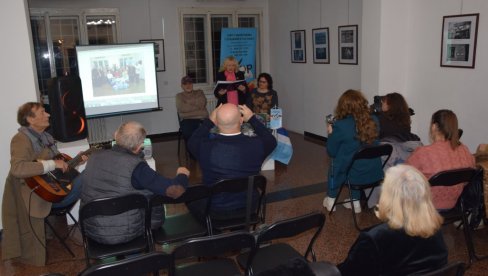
(241, 43)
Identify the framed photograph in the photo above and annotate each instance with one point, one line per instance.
(459, 35)
(158, 53)
(298, 53)
(320, 42)
(348, 44)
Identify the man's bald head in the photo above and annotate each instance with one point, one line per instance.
(130, 135)
(229, 118)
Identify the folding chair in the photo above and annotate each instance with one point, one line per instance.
(212, 246)
(139, 265)
(110, 207)
(453, 269)
(179, 227)
(366, 153)
(459, 212)
(267, 257)
(63, 212)
(250, 217)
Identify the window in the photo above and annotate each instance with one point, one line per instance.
(201, 39)
(55, 33)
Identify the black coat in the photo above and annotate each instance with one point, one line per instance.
(241, 94)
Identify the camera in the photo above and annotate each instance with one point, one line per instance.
(330, 119)
(376, 106)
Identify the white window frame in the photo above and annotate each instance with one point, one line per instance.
(208, 12)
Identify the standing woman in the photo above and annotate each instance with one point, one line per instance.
(445, 153)
(230, 72)
(263, 98)
(354, 128)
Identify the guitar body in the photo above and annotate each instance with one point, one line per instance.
(53, 186)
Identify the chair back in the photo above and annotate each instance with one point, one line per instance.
(214, 245)
(239, 185)
(453, 269)
(292, 227)
(452, 177)
(191, 193)
(139, 265)
(371, 152)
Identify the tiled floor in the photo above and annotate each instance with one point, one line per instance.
(307, 169)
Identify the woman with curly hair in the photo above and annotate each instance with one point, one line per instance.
(354, 127)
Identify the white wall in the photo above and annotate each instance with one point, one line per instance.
(16, 75)
(410, 58)
(308, 92)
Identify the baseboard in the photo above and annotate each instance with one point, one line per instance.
(168, 136)
(314, 136)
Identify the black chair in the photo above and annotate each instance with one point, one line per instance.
(63, 212)
(180, 226)
(267, 257)
(251, 217)
(139, 265)
(110, 207)
(459, 212)
(212, 246)
(365, 153)
(453, 269)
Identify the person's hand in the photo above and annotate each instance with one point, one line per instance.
(175, 191)
(241, 88)
(222, 92)
(84, 158)
(246, 112)
(213, 115)
(329, 128)
(60, 164)
(183, 170)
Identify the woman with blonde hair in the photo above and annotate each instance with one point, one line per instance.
(445, 152)
(409, 241)
(230, 72)
(354, 128)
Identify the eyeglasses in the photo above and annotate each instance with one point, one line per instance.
(263, 81)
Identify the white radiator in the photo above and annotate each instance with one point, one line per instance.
(97, 132)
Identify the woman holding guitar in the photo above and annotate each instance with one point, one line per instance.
(33, 153)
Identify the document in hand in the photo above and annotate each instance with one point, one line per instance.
(228, 85)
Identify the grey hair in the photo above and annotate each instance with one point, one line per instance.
(130, 135)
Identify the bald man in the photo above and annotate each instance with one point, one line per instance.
(229, 154)
(120, 171)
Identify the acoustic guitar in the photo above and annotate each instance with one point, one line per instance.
(55, 185)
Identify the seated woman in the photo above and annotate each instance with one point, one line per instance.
(395, 118)
(355, 127)
(263, 98)
(445, 153)
(409, 241)
(230, 72)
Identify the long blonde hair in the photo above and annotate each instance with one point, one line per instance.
(228, 60)
(352, 102)
(405, 202)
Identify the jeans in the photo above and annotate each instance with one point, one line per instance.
(72, 197)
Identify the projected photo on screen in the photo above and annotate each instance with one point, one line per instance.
(118, 78)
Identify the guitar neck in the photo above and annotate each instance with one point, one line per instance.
(78, 158)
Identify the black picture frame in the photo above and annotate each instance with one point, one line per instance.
(321, 45)
(159, 58)
(348, 44)
(298, 46)
(459, 38)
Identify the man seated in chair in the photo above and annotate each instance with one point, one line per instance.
(33, 152)
(120, 171)
(229, 154)
(191, 106)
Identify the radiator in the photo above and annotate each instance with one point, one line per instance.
(97, 132)
(211, 104)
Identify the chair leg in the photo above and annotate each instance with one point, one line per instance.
(60, 238)
(353, 209)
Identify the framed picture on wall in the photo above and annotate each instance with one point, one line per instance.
(320, 42)
(158, 53)
(348, 44)
(459, 35)
(298, 52)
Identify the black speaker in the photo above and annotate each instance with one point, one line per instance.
(68, 120)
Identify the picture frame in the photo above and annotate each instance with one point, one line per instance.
(159, 58)
(321, 46)
(348, 44)
(298, 46)
(459, 37)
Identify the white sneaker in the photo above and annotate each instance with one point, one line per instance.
(328, 203)
(357, 205)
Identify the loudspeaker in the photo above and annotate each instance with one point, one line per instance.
(68, 120)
